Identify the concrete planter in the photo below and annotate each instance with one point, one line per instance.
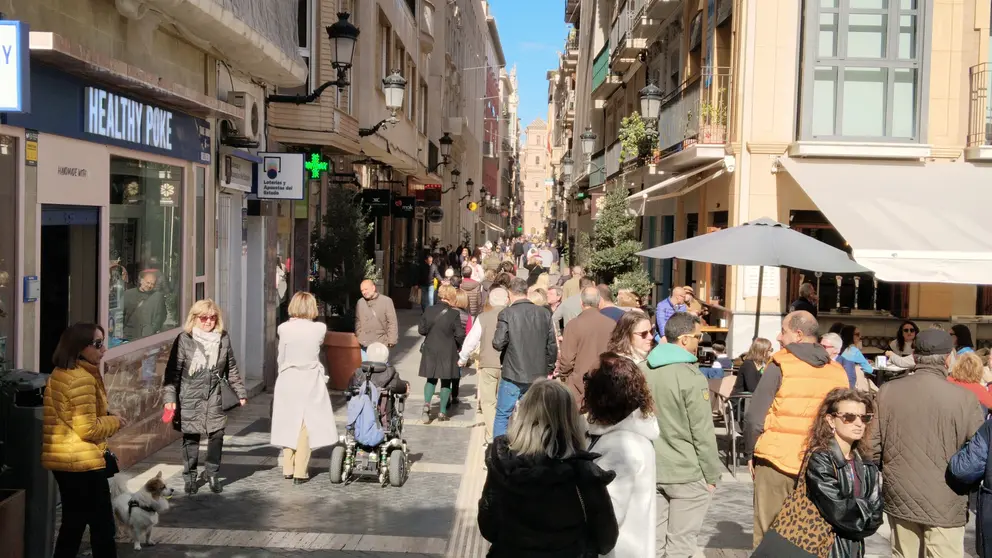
(342, 356)
(12, 523)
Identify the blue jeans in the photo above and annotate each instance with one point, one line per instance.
(427, 296)
(507, 396)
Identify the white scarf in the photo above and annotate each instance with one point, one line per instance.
(206, 346)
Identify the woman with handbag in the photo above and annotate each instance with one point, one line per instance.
(544, 494)
(302, 416)
(74, 441)
(838, 501)
(201, 384)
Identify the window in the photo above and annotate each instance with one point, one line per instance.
(304, 34)
(863, 70)
(422, 107)
(8, 250)
(385, 50)
(146, 237)
(410, 99)
(201, 231)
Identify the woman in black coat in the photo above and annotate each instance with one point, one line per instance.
(200, 362)
(444, 334)
(544, 494)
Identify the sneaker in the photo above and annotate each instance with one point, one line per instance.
(425, 416)
(441, 417)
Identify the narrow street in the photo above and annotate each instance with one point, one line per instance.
(434, 514)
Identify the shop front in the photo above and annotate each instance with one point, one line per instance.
(115, 228)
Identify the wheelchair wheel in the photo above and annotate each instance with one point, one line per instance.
(337, 464)
(397, 468)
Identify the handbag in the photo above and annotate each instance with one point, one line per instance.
(111, 465)
(228, 397)
(414, 295)
(798, 527)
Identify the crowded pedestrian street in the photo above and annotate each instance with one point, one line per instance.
(260, 514)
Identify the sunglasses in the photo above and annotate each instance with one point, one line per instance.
(210, 318)
(696, 336)
(909, 330)
(97, 343)
(849, 418)
(643, 334)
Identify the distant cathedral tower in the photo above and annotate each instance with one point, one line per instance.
(535, 168)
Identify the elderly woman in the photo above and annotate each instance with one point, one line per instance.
(967, 372)
(302, 416)
(443, 336)
(544, 494)
(201, 362)
(74, 441)
(632, 336)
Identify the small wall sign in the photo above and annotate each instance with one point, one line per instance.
(32, 288)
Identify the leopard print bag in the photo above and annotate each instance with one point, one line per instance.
(800, 523)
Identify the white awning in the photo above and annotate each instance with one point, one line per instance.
(492, 226)
(907, 221)
(671, 186)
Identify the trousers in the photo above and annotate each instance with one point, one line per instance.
(85, 501)
(295, 462)
(191, 452)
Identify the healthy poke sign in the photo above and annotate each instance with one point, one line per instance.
(15, 90)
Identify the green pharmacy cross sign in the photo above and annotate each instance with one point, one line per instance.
(315, 166)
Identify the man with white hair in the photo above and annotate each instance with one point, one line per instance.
(807, 301)
(489, 366)
(585, 338)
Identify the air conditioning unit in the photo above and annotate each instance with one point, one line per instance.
(250, 126)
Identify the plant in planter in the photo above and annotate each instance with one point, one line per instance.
(338, 249)
(613, 246)
(713, 120)
(636, 138)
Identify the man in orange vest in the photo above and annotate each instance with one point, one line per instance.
(781, 413)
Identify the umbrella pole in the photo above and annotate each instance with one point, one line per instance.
(757, 311)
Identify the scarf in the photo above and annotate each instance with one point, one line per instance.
(206, 346)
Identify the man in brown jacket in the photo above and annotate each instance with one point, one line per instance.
(375, 318)
(585, 338)
(923, 420)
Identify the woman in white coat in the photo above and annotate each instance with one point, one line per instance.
(622, 429)
(302, 417)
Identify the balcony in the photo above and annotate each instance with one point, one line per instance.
(571, 57)
(693, 121)
(980, 115)
(604, 82)
(597, 174)
(572, 8)
(625, 45)
(427, 27)
(650, 14)
(570, 107)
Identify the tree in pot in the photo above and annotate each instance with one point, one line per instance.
(338, 249)
(612, 248)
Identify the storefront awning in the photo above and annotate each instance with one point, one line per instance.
(492, 226)
(908, 222)
(676, 185)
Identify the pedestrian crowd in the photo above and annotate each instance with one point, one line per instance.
(598, 419)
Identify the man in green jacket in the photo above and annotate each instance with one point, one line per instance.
(686, 459)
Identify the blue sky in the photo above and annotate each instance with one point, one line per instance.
(532, 33)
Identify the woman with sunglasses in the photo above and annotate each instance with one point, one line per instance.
(632, 336)
(902, 345)
(844, 488)
(201, 360)
(74, 441)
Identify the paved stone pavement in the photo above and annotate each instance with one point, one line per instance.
(261, 514)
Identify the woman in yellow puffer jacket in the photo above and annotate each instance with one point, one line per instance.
(77, 425)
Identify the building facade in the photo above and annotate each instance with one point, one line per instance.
(117, 176)
(832, 117)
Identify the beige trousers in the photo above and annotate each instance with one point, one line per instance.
(912, 540)
(771, 488)
(488, 387)
(295, 462)
(681, 514)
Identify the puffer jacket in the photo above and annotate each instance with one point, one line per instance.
(971, 467)
(526, 342)
(538, 507)
(923, 420)
(474, 291)
(76, 424)
(854, 516)
(199, 403)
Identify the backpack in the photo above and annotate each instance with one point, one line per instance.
(363, 415)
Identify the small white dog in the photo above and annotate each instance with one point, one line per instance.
(138, 511)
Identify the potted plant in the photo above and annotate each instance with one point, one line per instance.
(713, 120)
(338, 249)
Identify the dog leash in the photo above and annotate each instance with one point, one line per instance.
(132, 503)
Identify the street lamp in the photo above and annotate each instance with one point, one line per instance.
(394, 86)
(567, 164)
(445, 145)
(588, 141)
(651, 96)
(343, 36)
(468, 189)
(455, 176)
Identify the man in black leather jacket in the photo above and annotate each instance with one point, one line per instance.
(528, 350)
